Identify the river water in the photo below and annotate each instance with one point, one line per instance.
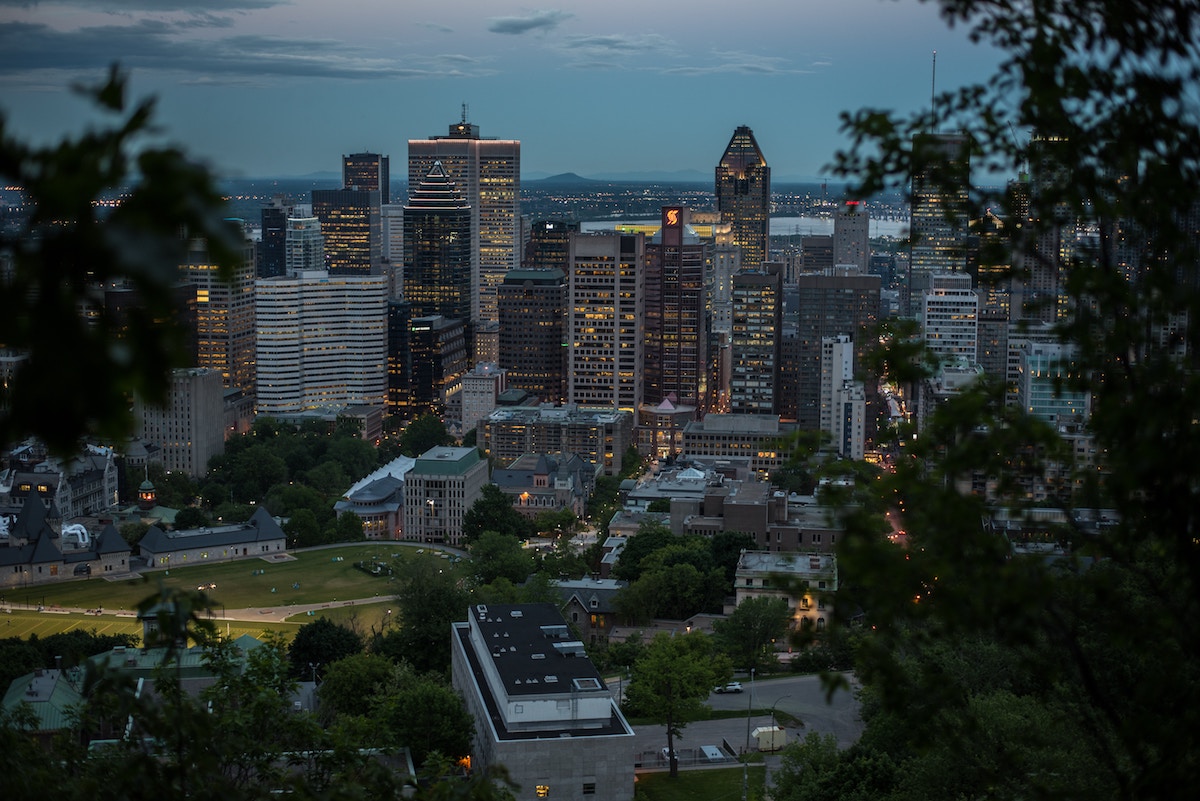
(780, 226)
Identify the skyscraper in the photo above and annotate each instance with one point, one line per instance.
(938, 206)
(756, 339)
(607, 284)
(533, 315)
(743, 190)
(828, 304)
(351, 226)
(304, 246)
(950, 317)
(852, 235)
(271, 251)
(437, 242)
(367, 171)
(224, 315)
(488, 173)
(675, 323)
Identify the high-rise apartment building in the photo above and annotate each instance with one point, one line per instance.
(533, 334)
(367, 171)
(607, 287)
(488, 173)
(938, 206)
(189, 429)
(756, 340)
(852, 235)
(437, 248)
(675, 321)
(224, 315)
(321, 342)
(743, 189)
(352, 229)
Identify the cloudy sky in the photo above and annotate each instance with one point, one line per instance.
(284, 87)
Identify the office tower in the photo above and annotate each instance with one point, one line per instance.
(743, 190)
(391, 216)
(837, 366)
(481, 386)
(816, 253)
(305, 246)
(273, 248)
(756, 339)
(1047, 242)
(548, 245)
(852, 235)
(533, 333)
(488, 173)
(675, 321)
(322, 341)
(351, 226)
(189, 429)
(828, 304)
(438, 358)
(224, 315)
(397, 401)
(949, 315)
(1043, 383)
(606, 286)
(437, 248)
(726, 261)
(938, 206)
(368, 171)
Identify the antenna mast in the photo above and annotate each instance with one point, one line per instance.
(464, 113)
(933, 90)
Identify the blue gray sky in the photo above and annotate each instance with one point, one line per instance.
(284, 87)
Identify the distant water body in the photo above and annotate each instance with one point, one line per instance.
(780, 226)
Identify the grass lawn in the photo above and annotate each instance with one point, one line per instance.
(721, 784)
(22, 624)
(311, 577)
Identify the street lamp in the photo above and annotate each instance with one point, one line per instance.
(766, 765)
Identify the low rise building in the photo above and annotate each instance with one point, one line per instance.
(806, 581)
(599, 435)
(542, 482)
(439, 489)
(541, 708)
(757, 436)
(260, 536)
(378, 500)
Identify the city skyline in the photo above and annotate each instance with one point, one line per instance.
(262, 88)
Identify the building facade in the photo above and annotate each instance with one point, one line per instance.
(368, 171)
(756, 341)
(488, 172)
(437, 248)
(541, 709)
(189, 429)
(321, 342)
(533, 335)
(606, 308)
(224, 315)
(439, 489)
(350, 223)
(743, 190)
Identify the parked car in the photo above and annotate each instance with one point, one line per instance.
(731, 687)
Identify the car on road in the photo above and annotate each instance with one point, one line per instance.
(731, 687)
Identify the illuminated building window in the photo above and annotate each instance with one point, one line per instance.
(543, 791)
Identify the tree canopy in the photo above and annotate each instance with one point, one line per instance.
(1098, 645)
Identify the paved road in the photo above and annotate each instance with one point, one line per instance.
(804, 698)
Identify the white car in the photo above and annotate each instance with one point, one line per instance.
(731, 687)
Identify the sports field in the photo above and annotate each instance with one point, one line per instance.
(324, 578)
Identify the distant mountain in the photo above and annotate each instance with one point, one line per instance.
(562, 178)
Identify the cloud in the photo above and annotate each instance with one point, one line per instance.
(154, 44)
(536, 20)
(619, 43)
(735, 62)
(195, 6)
(435, 27)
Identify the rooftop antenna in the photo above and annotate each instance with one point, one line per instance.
(464, 113)
(933, 90)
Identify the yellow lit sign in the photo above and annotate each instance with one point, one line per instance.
(672, 217)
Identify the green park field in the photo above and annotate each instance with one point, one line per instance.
(323, 578)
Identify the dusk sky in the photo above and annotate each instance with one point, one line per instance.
(276, 88)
